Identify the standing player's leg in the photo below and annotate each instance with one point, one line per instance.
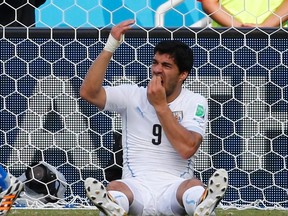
(9, 194)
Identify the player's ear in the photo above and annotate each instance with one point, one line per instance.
(183, 76)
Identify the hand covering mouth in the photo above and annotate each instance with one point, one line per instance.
(160, 77)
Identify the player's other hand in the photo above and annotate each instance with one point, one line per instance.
(120, 29)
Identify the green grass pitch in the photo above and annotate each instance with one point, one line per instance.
(76, 212)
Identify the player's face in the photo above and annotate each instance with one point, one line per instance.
(163, 65)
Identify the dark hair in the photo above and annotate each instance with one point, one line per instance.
(181, 52)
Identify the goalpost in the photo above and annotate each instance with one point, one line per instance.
(243, 73)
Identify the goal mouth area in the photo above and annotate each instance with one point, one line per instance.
(242, 72)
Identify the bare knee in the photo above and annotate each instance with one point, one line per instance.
(191, 183)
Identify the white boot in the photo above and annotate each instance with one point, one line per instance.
(217, 186)
(98, 194)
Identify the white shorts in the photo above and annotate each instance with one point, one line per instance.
(156, 194)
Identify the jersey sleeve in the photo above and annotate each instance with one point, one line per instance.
(196, 115)
(117, 97)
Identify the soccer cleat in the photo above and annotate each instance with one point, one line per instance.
(97, 193)
(214, 193)
(8, 196)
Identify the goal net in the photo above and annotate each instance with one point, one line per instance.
(242, 72)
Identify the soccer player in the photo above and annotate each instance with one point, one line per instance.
(10, 188)
(162, 126)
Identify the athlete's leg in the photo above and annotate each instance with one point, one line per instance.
(117, 200)
(198, 201)
(170, 200)
(102, 199)
(217, 186)
(189, 194)
(8, 196)
(121, 194)
(131, 189)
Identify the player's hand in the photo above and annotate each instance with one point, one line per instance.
(120, 29)
(156, 93)
(250, 25)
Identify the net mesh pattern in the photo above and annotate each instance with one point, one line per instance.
(242, 73)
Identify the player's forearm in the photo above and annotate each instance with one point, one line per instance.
(91, 88)
(181, 139)
(278, 16)
(219, 14)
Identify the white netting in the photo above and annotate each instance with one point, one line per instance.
(243, 73)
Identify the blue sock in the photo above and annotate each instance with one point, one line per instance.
(4, 179)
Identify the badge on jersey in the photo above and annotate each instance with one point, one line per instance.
(200, 111)
(178, 115)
